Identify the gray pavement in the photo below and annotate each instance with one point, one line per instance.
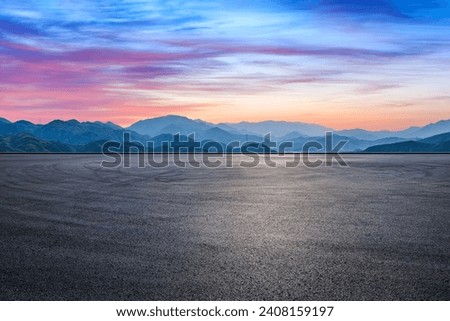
(377, 230)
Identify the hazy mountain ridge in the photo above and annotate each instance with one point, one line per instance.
(279, 128)
(170, 124)
(75, 136)
(71, 132)
(440, 127)
(434, 144)
(24, 142)
(352, 144)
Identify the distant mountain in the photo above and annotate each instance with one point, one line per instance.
(170, 124)
(437, 128)
(219, 135)
(25, 126)
(28, 143)
(78, 133)
(433, 129)
(78, 136)
(437, 139)
(365, 134)
(437, 143)
(374, 135)
(300, 143)
(233, 130)
(110, 124)
(21, 126)
(279, 128)
(352, 144)
(70, 132)
(388, 140)
(292, 135)
(403, 147)
(92, 147)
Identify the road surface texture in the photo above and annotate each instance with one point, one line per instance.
(376, 230)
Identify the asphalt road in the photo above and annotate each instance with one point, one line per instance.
(377, 230)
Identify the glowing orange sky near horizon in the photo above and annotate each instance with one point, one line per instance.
(337, 121)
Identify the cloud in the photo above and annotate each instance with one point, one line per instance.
(394, 9)
(8, 26)
(127, 59)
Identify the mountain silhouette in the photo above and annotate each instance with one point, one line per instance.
(75, 136)
(432, 129)
(71, 132)
(171, 124)
(279, 128)
(24, 142)
(437, 143)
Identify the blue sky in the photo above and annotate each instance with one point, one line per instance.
(372, 64)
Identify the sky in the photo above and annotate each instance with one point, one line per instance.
(374, 64)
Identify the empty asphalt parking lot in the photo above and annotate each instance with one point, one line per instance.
(376, 230)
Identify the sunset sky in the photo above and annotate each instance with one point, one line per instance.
(343, 64)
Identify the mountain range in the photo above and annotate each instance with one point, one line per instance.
(434, 144)
(75, 136)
